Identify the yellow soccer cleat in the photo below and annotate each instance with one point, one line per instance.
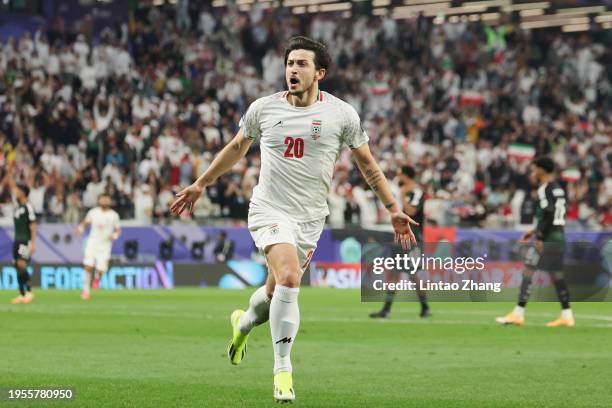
(238, 345)
(283, 387)
(560, 322)
(511, 318)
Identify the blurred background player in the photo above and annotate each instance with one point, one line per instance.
(105, 229)
(25, 239)
(224, 248)
(301, 133)
(413, 204)
(549, 246)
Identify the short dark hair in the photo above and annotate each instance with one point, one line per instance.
(24, 188)
(104, 194)
(408, 171)
(322, 59)
(545, 163)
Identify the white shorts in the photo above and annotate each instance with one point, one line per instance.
(269, 226)
(97, 259)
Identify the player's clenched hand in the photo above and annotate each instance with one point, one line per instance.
(527, 236)
(186, 198)
(401, 225)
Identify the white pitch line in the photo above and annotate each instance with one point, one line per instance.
(85, 310)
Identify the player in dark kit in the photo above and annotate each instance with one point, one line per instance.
(25, 241)
(549, 245)
(413, 204)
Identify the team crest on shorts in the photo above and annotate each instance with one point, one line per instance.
(274, 229)
(315, 129)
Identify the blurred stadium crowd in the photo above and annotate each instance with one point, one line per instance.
(142, 109)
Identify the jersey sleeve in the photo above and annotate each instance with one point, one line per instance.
(89, 216)
(352, 133)
(250, 122)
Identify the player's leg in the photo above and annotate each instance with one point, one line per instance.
(284, 314)
(87, 275)
(552, 261)
(390, 277)
(422, 295)
(102, 261)
(517, 315)
(24, 280)
(259, 307)
(89, 263)
(243, 322)
(288, 263)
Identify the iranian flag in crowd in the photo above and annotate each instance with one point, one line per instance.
(570, 175)
(521, 151)
(469, 97)
(378, 88)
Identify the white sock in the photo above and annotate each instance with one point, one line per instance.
(257, 313)
(567, 314)
(284, 324)
(519, 311)
(86, 281)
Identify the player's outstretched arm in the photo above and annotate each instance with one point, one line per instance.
(378, 183)
(223, 162)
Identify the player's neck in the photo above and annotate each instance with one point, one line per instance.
(546, 179)
(304, 99)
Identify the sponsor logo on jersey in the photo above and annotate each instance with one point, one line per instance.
(315, 129)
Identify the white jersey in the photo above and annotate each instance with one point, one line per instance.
(299, 148)
(103, 226)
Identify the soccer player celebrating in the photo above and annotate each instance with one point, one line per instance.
(104, 230)
(413, 203)
(25, 240)
(548, 250)
(301, 132)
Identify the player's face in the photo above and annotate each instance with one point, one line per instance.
(105, 202)
(536, 174)
(300, 71)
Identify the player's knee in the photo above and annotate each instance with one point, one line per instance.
(289, 277)
(21, 265)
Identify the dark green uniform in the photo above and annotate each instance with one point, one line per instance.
(416, 198)
(550, 226)
(23, 217)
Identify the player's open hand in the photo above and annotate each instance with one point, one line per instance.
(186, 198)
(403, 233)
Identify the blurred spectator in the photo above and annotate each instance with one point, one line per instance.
(224, 248)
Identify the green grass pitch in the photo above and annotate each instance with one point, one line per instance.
(167, 349)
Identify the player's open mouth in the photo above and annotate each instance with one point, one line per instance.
(294, 81)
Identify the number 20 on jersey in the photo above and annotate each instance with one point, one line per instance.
(295, 147)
